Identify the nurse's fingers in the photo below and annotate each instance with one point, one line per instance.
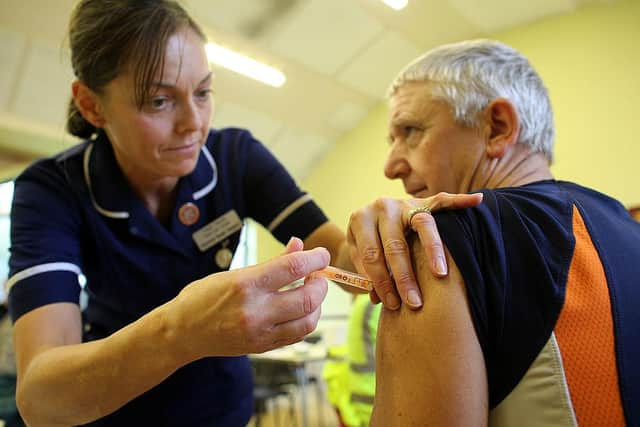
(297, 303)
(274, 274)
(294, 245)
(294, 331)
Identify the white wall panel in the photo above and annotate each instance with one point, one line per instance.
(12, 46)
(45, 87)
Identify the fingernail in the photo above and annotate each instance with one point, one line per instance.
(441, 267)
(414, 298)
(391, 301)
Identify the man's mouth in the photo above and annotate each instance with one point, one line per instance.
(418, 193)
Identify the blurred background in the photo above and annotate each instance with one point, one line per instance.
(327, 122)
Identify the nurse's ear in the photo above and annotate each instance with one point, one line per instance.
(88, 103)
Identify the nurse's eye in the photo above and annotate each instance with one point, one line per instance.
(159, 103)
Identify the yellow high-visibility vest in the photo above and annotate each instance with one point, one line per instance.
(350, 372)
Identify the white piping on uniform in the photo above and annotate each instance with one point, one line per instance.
(288, 211)
(42, 268)
(565, 386)
(87, 178)
(209, 187)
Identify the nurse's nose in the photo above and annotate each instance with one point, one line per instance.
(189, 118)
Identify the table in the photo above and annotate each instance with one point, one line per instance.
(298, 357)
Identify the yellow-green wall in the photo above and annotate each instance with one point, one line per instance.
(590, 61)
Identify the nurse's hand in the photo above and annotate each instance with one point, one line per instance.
(378, 248)
(242, 311)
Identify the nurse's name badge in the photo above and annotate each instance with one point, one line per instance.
(224, 257)
(216, 231)
(188, 213)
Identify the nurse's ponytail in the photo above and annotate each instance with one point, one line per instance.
(76, 124)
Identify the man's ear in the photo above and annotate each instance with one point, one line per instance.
(88, 104)
(503, 126)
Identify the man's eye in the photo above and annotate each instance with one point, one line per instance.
(203, 94)
(408, 130)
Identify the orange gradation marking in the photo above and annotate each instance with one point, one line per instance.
(346, 277)
(586, 339)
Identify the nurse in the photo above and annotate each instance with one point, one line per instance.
(149, 209)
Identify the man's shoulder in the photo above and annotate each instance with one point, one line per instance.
(511, 251)
(535, 208)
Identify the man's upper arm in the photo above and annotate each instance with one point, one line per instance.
(430, 368)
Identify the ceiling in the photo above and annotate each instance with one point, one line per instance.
(338, 56)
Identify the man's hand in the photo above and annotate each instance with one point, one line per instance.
(378, 247)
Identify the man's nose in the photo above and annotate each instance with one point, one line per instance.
(395, 166)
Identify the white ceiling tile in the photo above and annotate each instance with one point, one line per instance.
(252, 19)
(12, 46)
(262, 127)
(228, 15)
(424, 23)
(346, 116)
(305, 101)
(325, 34)
(44, 88)
(492, 16)
(372, 71)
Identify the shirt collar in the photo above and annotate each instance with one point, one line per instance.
(111, 193)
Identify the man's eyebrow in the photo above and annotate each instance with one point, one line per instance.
(164, 85)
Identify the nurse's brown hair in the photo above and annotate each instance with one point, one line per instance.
(108, 37)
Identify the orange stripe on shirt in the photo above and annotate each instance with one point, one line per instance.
(586, 338)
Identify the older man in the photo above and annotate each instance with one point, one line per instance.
(537, 322)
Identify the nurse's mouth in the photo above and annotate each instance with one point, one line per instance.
(185, 147)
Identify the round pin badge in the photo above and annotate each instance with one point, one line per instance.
(223, 258)
(188, 214)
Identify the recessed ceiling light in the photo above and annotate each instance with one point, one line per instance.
(244, 65)
(396, 4)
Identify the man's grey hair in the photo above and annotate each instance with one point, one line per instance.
(469, 75)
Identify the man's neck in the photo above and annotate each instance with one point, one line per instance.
(519, 166)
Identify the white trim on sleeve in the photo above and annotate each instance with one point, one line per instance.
(42, 268)
(288, 211)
